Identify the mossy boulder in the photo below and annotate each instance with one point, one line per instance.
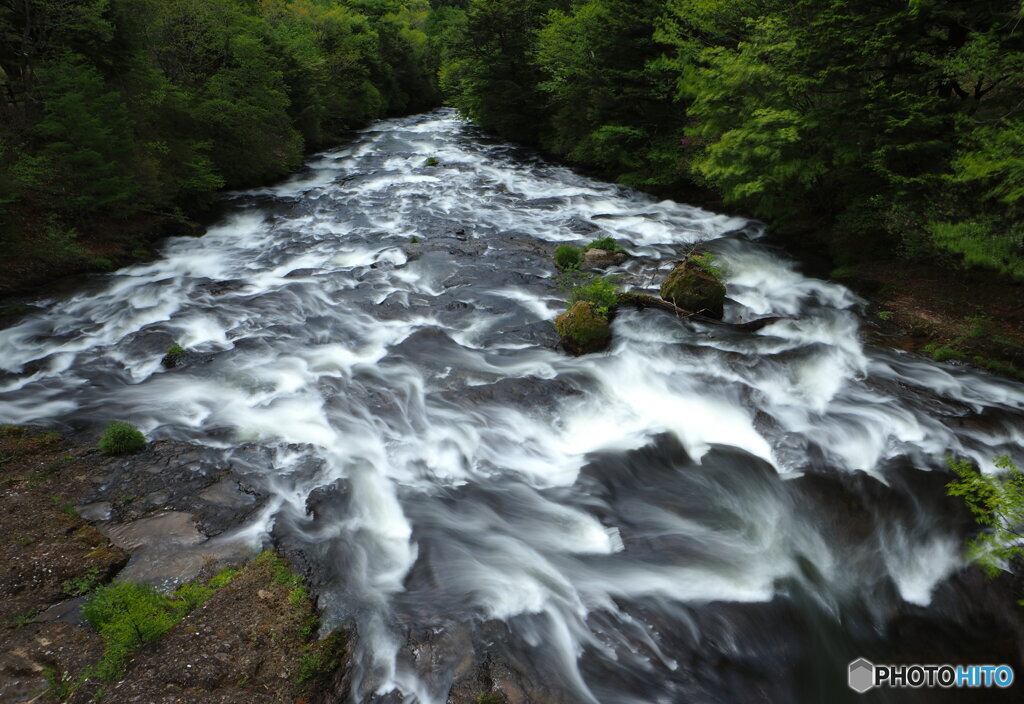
(583, 329)
(694, 289)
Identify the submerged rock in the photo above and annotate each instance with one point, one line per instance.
(582, 329)
(694, 289)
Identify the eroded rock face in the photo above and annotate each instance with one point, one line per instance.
(692, 288)
(603, 258)
(583, 330)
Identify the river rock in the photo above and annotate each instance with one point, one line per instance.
(692, 288)
(603, 258)
(582, 329)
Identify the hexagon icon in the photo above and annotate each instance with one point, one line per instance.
(862, 675)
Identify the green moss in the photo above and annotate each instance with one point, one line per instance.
(129, 615)
(431, 161)
(490, 698)
(568, 257)
(176, 350)
(583, 329)
(192, 595)
(322, 658)
(121, 439)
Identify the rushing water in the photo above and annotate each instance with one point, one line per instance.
(699, 514)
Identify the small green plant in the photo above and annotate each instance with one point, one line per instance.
(298, 595)
(77, 586)
(709, 263)
(568, 257)
(61, 684)
(176, 350)
(414, 240)
(64, 506)
(981, 326)
(489, 698)
(602, 292)
(997, 503)
(884, 315)
(942, 353)
(606, 243)
(431, 161)
(121, 439)
(20, 620)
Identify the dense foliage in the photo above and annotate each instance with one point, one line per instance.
(897, 127)
(116, 115)
(997, 503)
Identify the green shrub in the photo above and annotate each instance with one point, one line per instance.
(121, 439)
(176, 350)
(606, 243)
(568, 257)
(431, 161)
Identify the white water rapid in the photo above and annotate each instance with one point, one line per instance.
(698, 514)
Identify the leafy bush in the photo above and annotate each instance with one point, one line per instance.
(606, 243)
(431, 161)
(176, 350)
(568, 257)
(121, 439)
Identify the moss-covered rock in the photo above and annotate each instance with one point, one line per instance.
(583, 329)
(693, 288)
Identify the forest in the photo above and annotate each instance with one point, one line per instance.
(875, 129)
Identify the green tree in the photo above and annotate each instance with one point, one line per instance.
(611, 99)
(88, 139)
(489, 75)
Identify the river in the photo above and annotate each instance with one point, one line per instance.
(697, 514)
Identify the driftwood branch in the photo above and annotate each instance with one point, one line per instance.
(643, 302)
